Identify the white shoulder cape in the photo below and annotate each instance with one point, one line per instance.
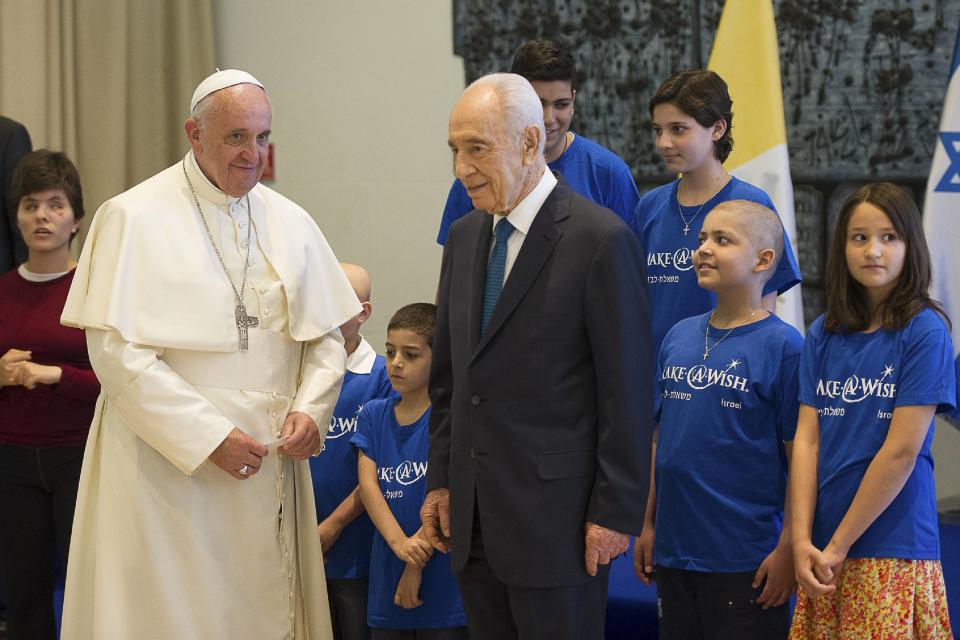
(147, 269)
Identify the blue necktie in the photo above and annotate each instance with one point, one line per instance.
(496, 267)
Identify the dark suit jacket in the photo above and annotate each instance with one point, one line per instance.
(547, 417)
(14, 144)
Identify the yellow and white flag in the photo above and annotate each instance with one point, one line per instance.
(746, 56)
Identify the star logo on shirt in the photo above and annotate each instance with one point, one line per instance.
(734, 363)
(359, 408)
(887, 371)
(950, 182)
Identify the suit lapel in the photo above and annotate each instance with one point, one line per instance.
(537, 247)
(478, 275)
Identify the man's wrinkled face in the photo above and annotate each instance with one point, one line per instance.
(487, 159)
(231, 139)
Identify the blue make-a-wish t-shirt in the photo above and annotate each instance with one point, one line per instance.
(855, 381)
(400, 453)
(590, 169)
(334, 471)
(671, 278)
(721, 469)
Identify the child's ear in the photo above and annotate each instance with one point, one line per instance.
(719, 128)
(365, 312)
(764, 260)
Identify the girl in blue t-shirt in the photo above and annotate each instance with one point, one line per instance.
(692, 113)
(874, 370)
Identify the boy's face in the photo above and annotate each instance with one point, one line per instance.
(408, 361)
(726, 256)
(557, 98)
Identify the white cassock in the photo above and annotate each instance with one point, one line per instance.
(165, 544)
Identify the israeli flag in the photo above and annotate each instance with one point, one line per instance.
(941, 211)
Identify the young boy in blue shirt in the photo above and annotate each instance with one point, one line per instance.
(727, 411)
(346, 532)
(413, 594)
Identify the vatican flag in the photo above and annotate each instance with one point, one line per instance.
(941, 208)
(745, 54)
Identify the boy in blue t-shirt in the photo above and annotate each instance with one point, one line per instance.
(344, 528)
(413, 594)
(727, 410)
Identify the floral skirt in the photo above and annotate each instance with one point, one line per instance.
(878, 599)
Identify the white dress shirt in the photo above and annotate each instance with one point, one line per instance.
(522, 217)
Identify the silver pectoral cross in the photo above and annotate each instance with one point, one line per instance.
(686, 228)
(243, 323)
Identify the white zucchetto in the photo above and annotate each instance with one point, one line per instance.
(221, 80)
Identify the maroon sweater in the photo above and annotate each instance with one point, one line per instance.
(47, 415)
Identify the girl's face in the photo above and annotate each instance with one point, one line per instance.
(46, 221)
(682, 142)
(874, 251)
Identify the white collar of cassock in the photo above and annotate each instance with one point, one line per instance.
(362, 359)
(206, 189)
(526, 210)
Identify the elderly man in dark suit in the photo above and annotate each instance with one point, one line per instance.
(541, 382)
(14, 144)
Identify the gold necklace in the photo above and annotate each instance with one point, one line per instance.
(707, 347)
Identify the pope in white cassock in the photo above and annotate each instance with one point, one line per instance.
(211, 305)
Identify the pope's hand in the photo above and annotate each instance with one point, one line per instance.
(10, 366)
(239, 450)
(304, 436)
(435, 518)
(602, 545)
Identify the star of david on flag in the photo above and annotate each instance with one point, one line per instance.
(951, 177)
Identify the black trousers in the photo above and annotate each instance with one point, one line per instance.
(496, 611)
(715, 606)
(38, 492)
(348, 608)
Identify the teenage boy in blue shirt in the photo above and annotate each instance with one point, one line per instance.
(714, 534)
(413, 594)
(346, 532)
(590, 169)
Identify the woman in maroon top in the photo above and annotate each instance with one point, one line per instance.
(47, 393)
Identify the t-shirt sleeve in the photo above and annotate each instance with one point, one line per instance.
(458, 205)
(659, 384)
(637, 219)
(788, 402)
(364, 437)
(928, 373)
(787, 274)
(809, 365)
(625, 194)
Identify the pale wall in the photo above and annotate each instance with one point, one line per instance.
(361, 93)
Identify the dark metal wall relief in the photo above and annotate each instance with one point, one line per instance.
(863, 85)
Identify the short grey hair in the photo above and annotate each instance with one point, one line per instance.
(200, 111)
(520, 103)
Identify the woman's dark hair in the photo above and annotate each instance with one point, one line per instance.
(43, 170)
(702, 95)
(848, 307)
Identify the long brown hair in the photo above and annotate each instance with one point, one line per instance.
(848, 308)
